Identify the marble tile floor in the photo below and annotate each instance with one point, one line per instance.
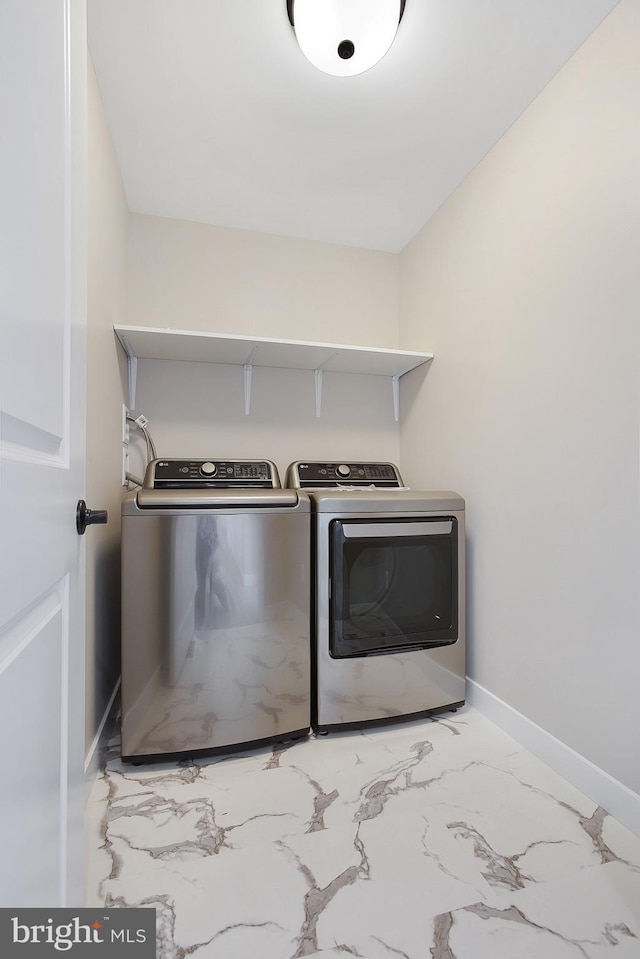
(438, 839)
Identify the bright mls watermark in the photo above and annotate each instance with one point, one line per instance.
(80, 933)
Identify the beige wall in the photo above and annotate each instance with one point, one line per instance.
(107, 272)
(526, 285)
(193, 276)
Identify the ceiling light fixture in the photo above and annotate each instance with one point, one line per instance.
(345, 37)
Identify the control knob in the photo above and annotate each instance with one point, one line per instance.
(343, 470)
(209, 469)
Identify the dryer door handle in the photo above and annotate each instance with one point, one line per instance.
(370, 530)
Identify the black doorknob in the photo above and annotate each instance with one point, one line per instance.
(87, 517)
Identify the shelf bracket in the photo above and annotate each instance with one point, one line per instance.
(132, 373)
(395, 386)
(248, 376)
(318, 378)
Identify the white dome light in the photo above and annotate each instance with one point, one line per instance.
(345, 37)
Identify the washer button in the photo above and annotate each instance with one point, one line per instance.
(209, 469)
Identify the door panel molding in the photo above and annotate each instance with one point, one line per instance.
(16, 635)
(34, 650)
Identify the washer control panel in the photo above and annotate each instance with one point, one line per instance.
(305, 475)
(211, 474)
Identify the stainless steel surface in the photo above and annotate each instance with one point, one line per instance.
(380, 687)
(215, 621)
(203, 498)
(382, 502)
(386, 686)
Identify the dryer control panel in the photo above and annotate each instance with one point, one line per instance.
(306, 475)
(211, 474)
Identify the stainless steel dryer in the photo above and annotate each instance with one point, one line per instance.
(388, 638)
(215, 609)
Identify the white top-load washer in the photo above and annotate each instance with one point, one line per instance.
(388, 632)
(215, 609)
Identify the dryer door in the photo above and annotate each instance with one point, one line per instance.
(394, 585)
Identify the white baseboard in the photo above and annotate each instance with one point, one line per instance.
(603, 789)
(93, 759)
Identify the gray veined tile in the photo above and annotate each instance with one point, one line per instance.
(244, 905)
(593, 913)
(372, 886)
(624, 844)
(182, 805)
(519, 834)
(351, 844)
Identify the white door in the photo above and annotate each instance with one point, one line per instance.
(42, 357)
